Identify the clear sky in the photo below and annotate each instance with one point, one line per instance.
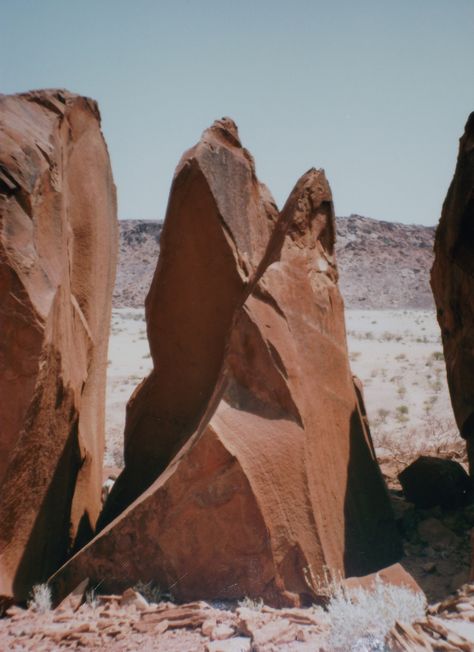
(376, 92)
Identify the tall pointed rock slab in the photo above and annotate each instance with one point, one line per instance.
(216, 233)
(452, 281)
(58, 240)
(270, 478)
(290, 361)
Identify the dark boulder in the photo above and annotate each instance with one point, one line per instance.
(431, 481)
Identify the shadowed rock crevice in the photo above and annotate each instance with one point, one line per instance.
(37, 554)
(266, 392)
(368, 524)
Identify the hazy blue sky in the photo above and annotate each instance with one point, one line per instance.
(377, 92)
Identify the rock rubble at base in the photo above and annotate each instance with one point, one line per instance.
(431, 481)
(449, 625)
(118, 623)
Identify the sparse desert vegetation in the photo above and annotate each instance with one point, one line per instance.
(129, 362)
(360, 619)
(40, 600)
(404, 378)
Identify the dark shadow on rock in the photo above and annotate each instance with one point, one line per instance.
(372, 540)
(50, 538)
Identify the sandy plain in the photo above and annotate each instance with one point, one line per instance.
(396, 353)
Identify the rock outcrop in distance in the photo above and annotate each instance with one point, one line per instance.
(452, 281)
(382, 265)
(139, 248)
(249, 468)
(58, 239)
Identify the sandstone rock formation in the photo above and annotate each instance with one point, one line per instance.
(218, 226)
(58, 236)
(452, 281)
(247, 455)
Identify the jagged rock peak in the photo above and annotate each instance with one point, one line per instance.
(225, 128)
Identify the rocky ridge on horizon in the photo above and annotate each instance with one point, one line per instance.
(381, 264)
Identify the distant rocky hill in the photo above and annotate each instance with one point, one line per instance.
(381, 264)
(384, 264)
(139, 247)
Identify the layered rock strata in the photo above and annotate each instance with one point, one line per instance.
(249, 466)
(58, 239)
(452, 281)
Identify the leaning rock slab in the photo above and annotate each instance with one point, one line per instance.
(265, 472)
(452, 281)
(58, 236)
(216, 234)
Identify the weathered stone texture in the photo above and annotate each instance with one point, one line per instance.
(58, 238)
(452, 281)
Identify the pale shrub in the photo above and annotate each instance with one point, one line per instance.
(254, 605)
(92, 599)
(360, 619)
(40, 598)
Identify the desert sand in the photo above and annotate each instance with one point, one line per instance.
(396, 353)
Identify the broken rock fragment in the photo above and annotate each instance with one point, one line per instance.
(394, 575)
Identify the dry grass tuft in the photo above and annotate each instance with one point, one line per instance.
(40, 598)
(361, 619)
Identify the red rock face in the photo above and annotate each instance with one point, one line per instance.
(258, 461)
(58, 235)
(452, 281)
(218, 225)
